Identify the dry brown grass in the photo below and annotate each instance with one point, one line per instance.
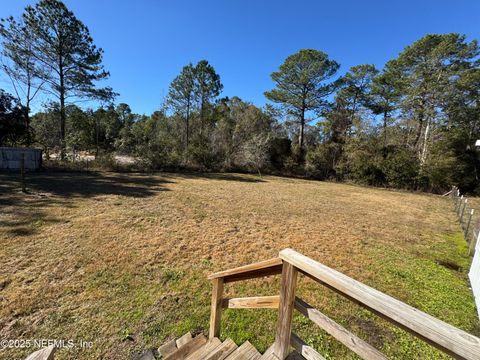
(121, 260)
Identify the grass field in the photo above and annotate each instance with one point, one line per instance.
(121, 259)
(474, 203)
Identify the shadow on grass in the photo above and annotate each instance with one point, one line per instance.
(24, 214)
(87, 184)
(220, 176)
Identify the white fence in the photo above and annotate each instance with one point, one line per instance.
(471, 232)
(11, 158)
(474, 273)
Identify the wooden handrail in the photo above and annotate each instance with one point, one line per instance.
(303, 349)
(256, 302)
(260, 269)
(354, 343)
(445, 337)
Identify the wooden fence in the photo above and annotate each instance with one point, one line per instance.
(471, 230)
(290, 264)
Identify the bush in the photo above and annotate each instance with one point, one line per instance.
(318, 163)
(401, 168)
(437, 173)
(367, 169)
(361, 162)
(104, 161)
(202, 156)
(280, 149)
(294, 164)
(156, 156)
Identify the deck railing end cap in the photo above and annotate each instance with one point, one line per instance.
(287, 251)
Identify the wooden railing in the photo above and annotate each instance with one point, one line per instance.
(290, 263)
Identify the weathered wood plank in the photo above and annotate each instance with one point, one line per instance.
(184, 339)
(269, 355)
(216, 308)
(188, 349)
(256, 302)
(167, 348)
(285, 311)
(353, 342)
(245, 352)
(205, 350)
(304, 349)
(260, 269)
(43, 354)
(221, 352)
(445, 337)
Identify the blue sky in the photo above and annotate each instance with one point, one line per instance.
(147, 42)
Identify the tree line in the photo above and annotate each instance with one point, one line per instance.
(412, 124)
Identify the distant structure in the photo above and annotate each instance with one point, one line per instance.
(477, 143)
(11, 158)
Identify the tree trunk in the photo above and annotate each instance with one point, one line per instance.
(420, 125)
(302, 129)
(27, 110)
(63, 115)
(202, 115)
(187, 125)
(97, 146)
(418, 134)
(27, 126)
(385, 119)
(423, 156)
(187, 134)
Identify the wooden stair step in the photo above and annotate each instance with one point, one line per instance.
(167, 348)
(269, 355)
(245, 352)
(221, 352)
(188, 348)
(184, 339)
(205, 350)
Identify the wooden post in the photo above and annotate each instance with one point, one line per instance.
(457, 200)
(463, 212)
(454, 189)
(285, 311)
(460, 201)
(22, 173)
(216, 308)
(465, 234)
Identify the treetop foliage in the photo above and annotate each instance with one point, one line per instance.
(300, 81)
(411, 124)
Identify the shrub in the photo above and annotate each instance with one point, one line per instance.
(401, 168)
(201, 155)
(318, 162)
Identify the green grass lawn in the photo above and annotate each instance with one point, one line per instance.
(122, 259)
